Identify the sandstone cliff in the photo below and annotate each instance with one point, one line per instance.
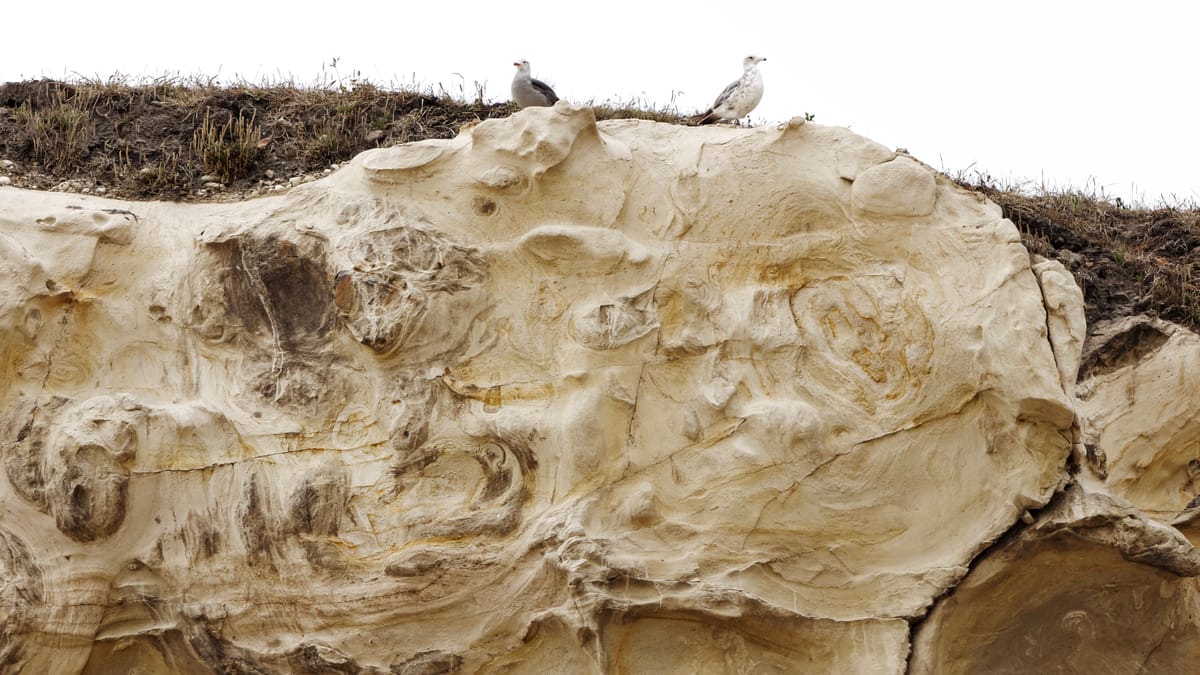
(556, 396)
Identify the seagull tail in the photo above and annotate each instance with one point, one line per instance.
(705, 117)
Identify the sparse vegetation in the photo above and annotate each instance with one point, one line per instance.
(1128, 259)
(58, 133)
(639, 108)
(156, 139)
(227, 150)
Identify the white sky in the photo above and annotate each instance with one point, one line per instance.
(1095, 94)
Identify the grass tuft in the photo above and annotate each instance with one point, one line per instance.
(60, 132)
(227, 150)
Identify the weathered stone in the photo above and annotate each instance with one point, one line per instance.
(1064, 313)
(551, 395)
(899, 187)
(1138, 394)
(1092, 587)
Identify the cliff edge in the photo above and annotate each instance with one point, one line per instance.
(555, 395)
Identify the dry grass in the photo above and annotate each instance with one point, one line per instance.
(156, 138)
(1127, 258)
(60, 132)
(640, 108)
(227, 150)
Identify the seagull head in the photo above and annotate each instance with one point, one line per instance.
(751, 61)
(522, 66)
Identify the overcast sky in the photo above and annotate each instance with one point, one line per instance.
(1060, 92)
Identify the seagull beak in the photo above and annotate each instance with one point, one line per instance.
(516, 64)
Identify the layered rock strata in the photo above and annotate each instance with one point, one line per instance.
(550, 396)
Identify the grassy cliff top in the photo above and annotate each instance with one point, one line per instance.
(177, 139)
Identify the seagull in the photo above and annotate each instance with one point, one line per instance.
(527, 91)
(739, 98)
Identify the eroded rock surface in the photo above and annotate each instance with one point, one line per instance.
(1139, 394)
(548, 396)
(1092, 588)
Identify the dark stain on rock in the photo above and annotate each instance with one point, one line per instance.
(416, 462)
(266, 290)
(82, 480)
(324, 556)
(301, 382)
(219, 654)
(297, 288)
(252, 516)
(12, 652)
(317, 505)
(416, 564)
(200, 537)
(432, 662)
(23, 455)
(21, 574)
(1116, 345)
(320, 659)
(88, 500)
(483, 206)
(492, 459)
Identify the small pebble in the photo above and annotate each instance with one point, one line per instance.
(7, 164)
(271, 173)
(208, 179)
(213, 185)
(5, 180)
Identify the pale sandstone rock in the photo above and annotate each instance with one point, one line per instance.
(1065, 596)
(1065, 316)
(547, 396)
(900, 187)
(1138, 393)
(1062, 595)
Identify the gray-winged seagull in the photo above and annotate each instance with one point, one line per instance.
(527, 91)
(739, 98)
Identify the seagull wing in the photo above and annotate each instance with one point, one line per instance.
(708, 116)
(724, 96)
(545, 90)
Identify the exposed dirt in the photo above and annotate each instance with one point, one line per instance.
(1128, 261)
(188, 141)
(160, 141)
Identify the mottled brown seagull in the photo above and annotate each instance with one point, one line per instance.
(740, 97)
